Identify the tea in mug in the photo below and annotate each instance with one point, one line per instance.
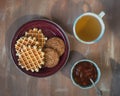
(88, 28)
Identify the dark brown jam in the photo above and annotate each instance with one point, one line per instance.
(82, 73)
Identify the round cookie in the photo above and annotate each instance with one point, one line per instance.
(51, 57)
(57, 44)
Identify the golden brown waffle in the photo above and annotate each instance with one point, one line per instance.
(25, 41)
(31, 58)
(38, 35)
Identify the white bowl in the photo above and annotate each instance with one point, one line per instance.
(98, 75)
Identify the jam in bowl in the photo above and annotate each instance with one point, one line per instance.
(84, 70)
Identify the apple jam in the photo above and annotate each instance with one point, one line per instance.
(82, 73)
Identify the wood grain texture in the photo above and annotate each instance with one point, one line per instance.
(106, 53)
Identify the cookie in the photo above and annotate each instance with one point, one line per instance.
(57, 44)
(51, 57)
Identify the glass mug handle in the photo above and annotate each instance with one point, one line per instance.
(101, 14)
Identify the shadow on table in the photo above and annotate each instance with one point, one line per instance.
(115, 84)
(73, 57)
(14, 27)
(64, 12)
(111, 8)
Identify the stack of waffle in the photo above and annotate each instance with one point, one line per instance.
(29, 50)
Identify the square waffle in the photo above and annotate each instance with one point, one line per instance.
(31, 58)
(25, 41)
(37, 33)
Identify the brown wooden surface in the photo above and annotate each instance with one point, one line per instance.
(106, 53)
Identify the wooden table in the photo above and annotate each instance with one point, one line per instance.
(106, 53)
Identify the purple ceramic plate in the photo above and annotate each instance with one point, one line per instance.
(50, 29)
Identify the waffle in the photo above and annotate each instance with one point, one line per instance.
(25, 41)
(31, 58)
(38, 35)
